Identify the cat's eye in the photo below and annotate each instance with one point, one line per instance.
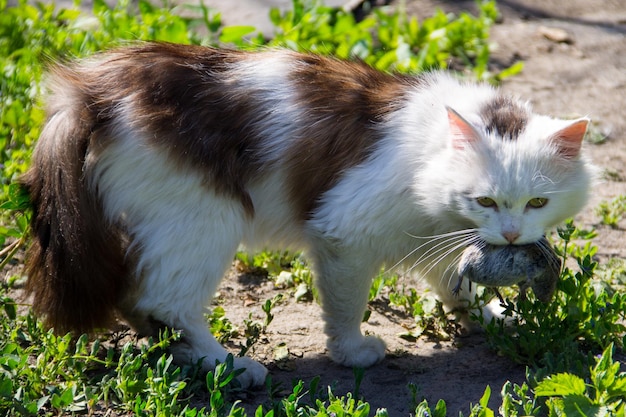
(537, 202)
(486, 202)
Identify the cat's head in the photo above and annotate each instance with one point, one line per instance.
(515, 174)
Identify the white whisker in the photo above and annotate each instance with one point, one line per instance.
(436, 250)
(451, 269)
(546, 251)
(442, 235)
(446, 250)
(432, 239)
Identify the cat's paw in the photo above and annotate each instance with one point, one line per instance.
(186, 353)
(490, 311)
(495, 310)
(254, 374)
(362, 352)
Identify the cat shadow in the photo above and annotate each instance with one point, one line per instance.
(458, 374)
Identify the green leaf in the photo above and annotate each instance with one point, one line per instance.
(235, 34)
(6, 386)
(512, 70)
(484, 400)
(561, 385)
(440, 409)
(10, 308)
(579, 405)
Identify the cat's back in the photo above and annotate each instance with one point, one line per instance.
(233, 118)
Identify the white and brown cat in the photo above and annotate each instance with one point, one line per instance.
(158, 160)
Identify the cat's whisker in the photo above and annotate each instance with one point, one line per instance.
(442, 235)
(450, 270)
(432, 238)
(444, 252)
(546, 251)
(561, 191)
(436, 261)
(440, 247)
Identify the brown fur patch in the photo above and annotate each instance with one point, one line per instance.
(180, 100)
(505, 117)
(345, 102)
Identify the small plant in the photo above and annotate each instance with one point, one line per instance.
(518, 400)
(430, 317)
(219, 384)
(611, 212)
(602, 394)
(271, 263)
(254, 329)
(288, 270)
(221, 327)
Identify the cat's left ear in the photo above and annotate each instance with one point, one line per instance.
(462, 133)
(569, 139)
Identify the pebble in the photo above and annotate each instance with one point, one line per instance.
(556, 35)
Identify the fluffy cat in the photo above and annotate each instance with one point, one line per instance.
(158, 160)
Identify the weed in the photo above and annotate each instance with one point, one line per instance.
(518, 400)
(603, 393)
(611, 212)
(221, 327)
(430, 318)
(220, 383)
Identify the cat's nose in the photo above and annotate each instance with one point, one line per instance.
(510, 236)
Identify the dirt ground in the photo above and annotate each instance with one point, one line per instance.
(583, 73)
(578, 70)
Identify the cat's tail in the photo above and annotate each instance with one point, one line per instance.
(75, 264)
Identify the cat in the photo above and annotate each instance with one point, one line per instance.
(158, 160)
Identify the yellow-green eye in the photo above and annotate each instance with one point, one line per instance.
(537, 202)
(486, 202)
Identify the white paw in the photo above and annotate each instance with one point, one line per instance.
(488, 312)
(254, 374)
(495, 310)
(363, 351)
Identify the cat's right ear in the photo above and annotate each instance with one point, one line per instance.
(462, 133)
(569, 139)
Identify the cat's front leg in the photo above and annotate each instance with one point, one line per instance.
(343, 280)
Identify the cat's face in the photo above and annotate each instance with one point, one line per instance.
(513, 189)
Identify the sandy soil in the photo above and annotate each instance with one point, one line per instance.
(583, 74)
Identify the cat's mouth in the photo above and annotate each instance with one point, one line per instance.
(535, 265)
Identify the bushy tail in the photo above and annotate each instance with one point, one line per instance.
(75, 264)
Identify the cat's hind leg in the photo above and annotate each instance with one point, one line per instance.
(182, 260)
(183, 236)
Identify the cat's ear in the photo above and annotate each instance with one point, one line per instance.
(569, 139)
(462, 133)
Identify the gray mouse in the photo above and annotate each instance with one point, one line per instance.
(534, 265)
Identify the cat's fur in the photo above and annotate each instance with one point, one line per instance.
(157, 161)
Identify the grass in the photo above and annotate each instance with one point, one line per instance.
(613, 211)
(567, 345)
